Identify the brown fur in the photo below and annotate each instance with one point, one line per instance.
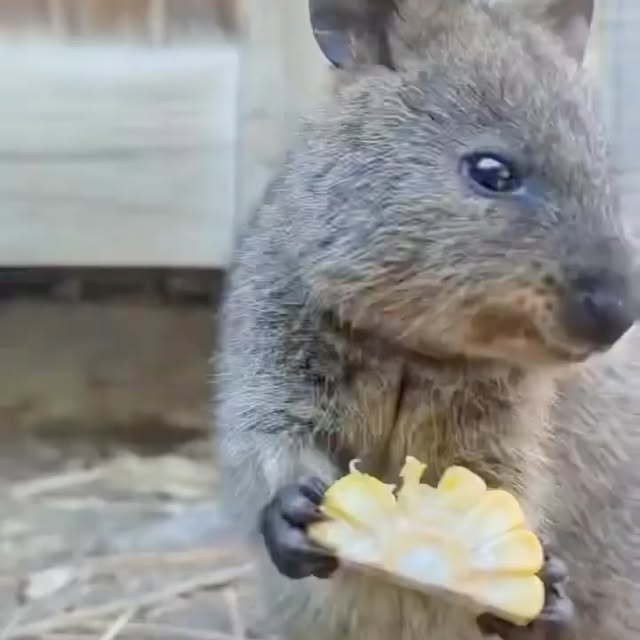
(377, 309)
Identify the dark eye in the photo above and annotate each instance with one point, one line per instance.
(491, 172)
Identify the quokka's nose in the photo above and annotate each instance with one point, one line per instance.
(600, 309)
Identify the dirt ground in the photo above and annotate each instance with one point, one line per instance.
(109, 526)
(101, 541)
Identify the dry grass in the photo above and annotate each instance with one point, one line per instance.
(125, 546)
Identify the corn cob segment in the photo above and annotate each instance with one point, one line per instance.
(460, 539)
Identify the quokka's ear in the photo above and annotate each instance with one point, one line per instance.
(569, 20)
(357, 31)
(353, 31)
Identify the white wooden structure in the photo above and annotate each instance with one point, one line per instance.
(136, 133)
(118, 122)
(117, 157)
(622, 46)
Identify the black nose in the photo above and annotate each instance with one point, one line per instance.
(599, 312)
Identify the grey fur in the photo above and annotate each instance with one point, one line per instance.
(377, 307)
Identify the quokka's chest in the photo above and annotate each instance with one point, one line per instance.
(382, 414)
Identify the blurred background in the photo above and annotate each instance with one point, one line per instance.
(135, 137)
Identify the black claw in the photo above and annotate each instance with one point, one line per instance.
(560, 611)
(283, 525)
(329, 566)
(554, 571)
(297, 508)
(313, 489)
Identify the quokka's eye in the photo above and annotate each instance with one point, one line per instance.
(491, 172)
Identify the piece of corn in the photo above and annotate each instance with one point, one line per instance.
(459, 538)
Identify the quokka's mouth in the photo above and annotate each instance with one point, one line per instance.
(513, 336)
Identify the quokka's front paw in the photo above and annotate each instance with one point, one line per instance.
(555, 618)
(283, 524)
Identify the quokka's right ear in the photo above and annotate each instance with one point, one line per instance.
(353, 31)
(571, 21)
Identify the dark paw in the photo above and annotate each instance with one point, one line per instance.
(283, 524)
(555, 618)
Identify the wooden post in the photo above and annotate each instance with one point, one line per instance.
(281, 75)
(57, 19)
(158, 21)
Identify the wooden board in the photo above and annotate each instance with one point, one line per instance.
(117, 156)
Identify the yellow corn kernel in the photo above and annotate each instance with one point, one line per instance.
(459, 539)
(359, 499)
(517, 551)
(496, 512)
(517, 598)
(461, 488)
